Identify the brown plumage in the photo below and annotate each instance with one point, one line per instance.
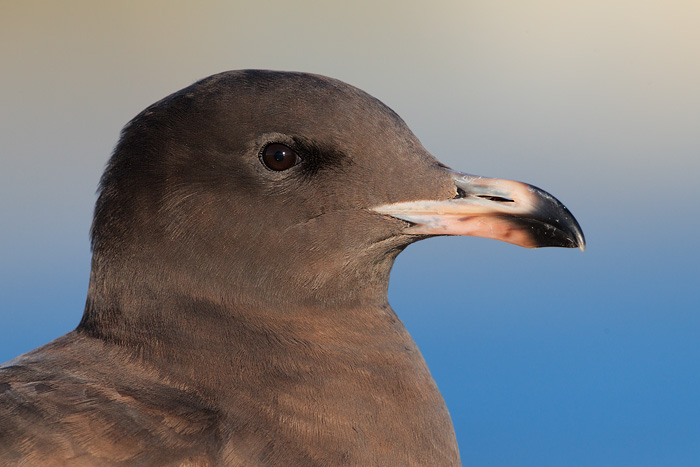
(237, 310)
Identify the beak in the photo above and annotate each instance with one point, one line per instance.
(505, 210)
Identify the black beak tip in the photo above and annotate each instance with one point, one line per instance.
(573, 235)
(558, 225)
(555, 226)
(573, 230)
(580, 241)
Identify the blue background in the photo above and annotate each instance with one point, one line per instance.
(545, 357)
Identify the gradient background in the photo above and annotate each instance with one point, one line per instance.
(545, 357)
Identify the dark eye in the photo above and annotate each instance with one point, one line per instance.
(278, 157)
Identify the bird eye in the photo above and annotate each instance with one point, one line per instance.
(278, 157)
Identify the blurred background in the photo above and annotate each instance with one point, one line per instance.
(545, 357)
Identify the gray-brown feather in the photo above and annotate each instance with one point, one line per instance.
(237, 316)
(76, 402)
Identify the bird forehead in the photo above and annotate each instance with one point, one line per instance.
(277, 101)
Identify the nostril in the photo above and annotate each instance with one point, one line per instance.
(498, 199)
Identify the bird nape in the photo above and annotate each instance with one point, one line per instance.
(237, 310)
